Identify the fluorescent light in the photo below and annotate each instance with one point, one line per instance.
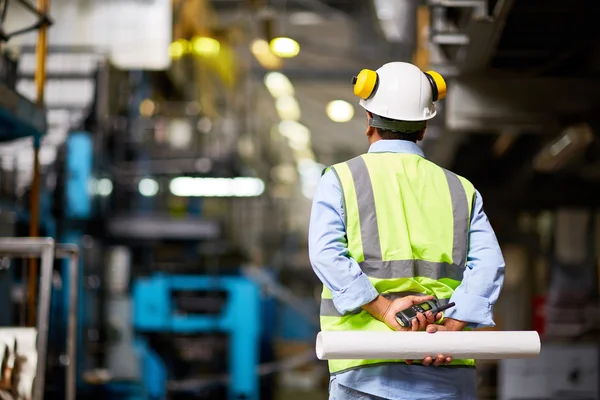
(574, 141)
(216, 187)
(560, 145)
(278, 84)
(205, 46)
(148, 187)
(104, 187)
(287, 108)
(340, 111)
(285, 47)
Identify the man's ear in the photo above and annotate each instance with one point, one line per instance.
(370, 130)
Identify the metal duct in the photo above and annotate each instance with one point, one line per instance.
(385, 30)
(397, 20)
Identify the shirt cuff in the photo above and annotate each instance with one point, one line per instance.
(473, 309)
(354, 295)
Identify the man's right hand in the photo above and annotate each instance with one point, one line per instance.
(385, 311)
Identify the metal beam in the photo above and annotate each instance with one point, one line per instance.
(484, 34)
(62, 76)
(62, 49)
(518, 104)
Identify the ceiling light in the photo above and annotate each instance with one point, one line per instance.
(205, 46)
(92, 186)
(304, 18)
(179, 133)
(203, 165)
(104, 187)
(204, 125)
(260, 49)
(259, 46)
(278, 84)
(147, 108)
(285, 47)
(287, 108)
(297, 134)
(217, 187)
(193, 108)
(304, 154)
(285, 173)
(148, 187)
(340, 111)
(178, 48)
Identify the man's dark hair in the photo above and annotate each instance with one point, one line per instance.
(392, 135)
(387, 134)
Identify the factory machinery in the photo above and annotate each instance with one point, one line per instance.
(171, 314)
(158, 304)
(141, 293)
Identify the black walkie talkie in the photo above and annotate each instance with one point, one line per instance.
(405, 317)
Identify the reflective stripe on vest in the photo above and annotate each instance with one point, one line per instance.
(407, 223)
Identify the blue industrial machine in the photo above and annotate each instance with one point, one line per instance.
(130, 334)
(157, 309)
(77, 210)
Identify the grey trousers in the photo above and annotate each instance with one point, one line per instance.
(340, 392)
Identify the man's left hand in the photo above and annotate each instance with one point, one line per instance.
(448, 324)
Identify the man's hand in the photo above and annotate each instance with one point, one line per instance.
(385, 311)
(449, 324)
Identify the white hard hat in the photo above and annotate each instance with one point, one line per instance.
(400, 91)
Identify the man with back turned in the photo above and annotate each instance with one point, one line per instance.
(390, 229)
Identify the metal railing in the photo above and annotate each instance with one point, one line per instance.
(47, 251)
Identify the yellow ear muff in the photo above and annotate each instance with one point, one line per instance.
(365, 83)
(438, 85)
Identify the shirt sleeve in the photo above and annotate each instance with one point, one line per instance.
(328, 249)
(484, 273)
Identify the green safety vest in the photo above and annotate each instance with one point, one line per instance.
(407, 224)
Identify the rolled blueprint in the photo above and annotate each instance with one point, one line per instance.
(485, 345)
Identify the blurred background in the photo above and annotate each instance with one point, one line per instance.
(178, 144)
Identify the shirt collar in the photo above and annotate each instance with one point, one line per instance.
(396, 146)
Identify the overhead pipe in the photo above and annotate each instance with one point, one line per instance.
(396, 21)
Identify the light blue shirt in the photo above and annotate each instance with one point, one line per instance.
(351, 289)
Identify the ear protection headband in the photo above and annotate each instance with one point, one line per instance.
(367, 81)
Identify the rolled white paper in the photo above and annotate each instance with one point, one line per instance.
(485, 345)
